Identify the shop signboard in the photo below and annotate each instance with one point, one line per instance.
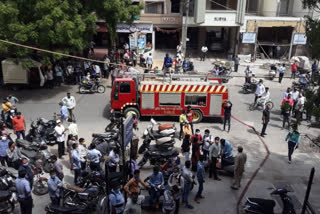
(299, 39)
(141, 41)
(249, 38)
(133, 41)
(143, 28)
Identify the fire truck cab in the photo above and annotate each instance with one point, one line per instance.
(158, 98)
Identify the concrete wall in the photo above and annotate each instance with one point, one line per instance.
(269, 7)
(253, 24)
(199, 11)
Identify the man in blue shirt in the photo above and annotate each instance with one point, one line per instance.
(116, 199)
(156, 182)
(64, 115)
(25, 166)
(94, 156)
(4, 145)
(167, 63)
(24, 193)
(76, 161)
(200, 177)
(226, 152)
(54, 185)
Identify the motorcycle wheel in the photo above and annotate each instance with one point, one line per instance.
(142, 148)
(40, 187)
(82, 90)
(270, 104)
(101, 89)
(252, 107)
(245, 90)
(142, 162)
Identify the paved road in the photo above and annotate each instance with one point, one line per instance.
(91, 114)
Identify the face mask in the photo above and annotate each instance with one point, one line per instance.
(26, 164)
(53, 176)
(136, 177)
(117, 191)
(228, 105)
(4, 138)
(175, 158)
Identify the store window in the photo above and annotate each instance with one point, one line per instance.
(125, 87)
(154, 7)
(175, 6)
(195, 100)
(169, 99)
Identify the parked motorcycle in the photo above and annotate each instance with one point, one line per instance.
(251, 87)
(164, 137)
(40, 186)
(85, 87)
(42, 129)
(67, 209)
(114, 124)
(264, 206)
(260, 103)
(36, 151)
(272, 71)
(156, 157)
(11, 115)
(106, 142)
(8, 197)
(226, 166)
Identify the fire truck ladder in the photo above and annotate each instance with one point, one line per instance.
(169, 77)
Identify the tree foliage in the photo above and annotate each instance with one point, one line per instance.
(59, 25)
(313, 27)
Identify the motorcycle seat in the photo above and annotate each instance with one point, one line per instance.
(75, 188)
(61, 209)
(5, 195)
(101, 135)
(156, 134)
(266, 205)
(29, 153)
(166, 154)
(165, 126)
(163, 140)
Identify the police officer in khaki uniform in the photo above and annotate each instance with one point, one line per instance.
(240, 161)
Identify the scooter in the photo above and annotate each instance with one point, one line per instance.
(226, 166)
(272, 71)
(40, 186)
(84, 87)
(250, 87)
(260, 103)
(67, 209)
(264, 206)
(42, 129)
(8, 197)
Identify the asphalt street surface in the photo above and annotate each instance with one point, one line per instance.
(92, 116)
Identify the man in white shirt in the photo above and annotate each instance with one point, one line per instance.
(299, 107)
(265, 96)
(204, 50)
(259, 91)
(207, 140)
(60, 136)
(113, 160)
(179, 47)
(97, 70)
(282, 69)
(285, 94)
(70, 102)
(73, 128)
(149, 61)
(248, 73)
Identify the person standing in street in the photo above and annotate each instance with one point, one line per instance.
(83, 151)
(156, 185)
(299, 108)
(64, 115)
(239, 163)
(265, 120)
(70, 102)
(57, 167)
(207, 139)
(133, 205)
(149, 61)
(227, 105)
(25, 167)
(248, 74)
(19, 125)
(94, 156)
(182, 119)
(185, 147)
(286, 110)
(236, 63)
(14, 156)
(24, 193)
(294, 68)
(179, 47)
(204, 50)
(133, 184)
(60, 135)
(200, 178)
(116, 199)
(6, 107)
(54, 185)
(188, 180)
(196, 140)
(293, 138)
(190, 116)
(4, 145)
(76, 162)
(167, 63)
(214, 152)
(282, 69)
(73, 128)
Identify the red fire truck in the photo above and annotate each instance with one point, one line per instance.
(161, 98)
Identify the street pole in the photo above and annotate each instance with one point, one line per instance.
(291, 43)
(185, 28)
(306, 198)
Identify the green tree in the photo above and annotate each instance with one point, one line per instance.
(61, 26)
(114, 12)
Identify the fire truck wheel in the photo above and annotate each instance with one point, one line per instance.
(197, 116)
(131, 110)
